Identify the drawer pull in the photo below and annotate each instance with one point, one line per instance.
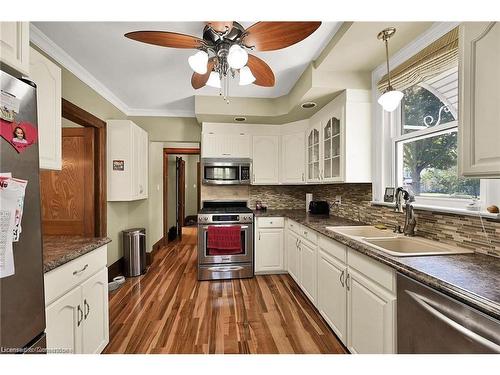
(80, 271)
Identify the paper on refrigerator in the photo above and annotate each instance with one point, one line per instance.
(11, 206)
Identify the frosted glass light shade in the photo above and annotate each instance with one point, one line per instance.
(237, 57)
(390, 100)
(214, 80)
(198, 62)
(246, 76)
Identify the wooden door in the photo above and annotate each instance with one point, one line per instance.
(64, 322)
(332, 295)
(181, 192)
(68, 195)
(95, 313)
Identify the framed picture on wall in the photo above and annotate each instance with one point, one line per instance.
(389, 194)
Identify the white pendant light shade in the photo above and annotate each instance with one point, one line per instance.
(237, 57)
(390, 100)
(198, 62)
(214, 80)
(246, 76)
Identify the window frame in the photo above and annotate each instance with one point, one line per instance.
(387, 128)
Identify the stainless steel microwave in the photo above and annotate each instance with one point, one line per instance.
(222, 171)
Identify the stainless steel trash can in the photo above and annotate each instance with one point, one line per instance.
(134, 251)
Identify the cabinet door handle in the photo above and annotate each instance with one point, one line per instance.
(80, 315)
(302, 176)
(342, 278)
(81, 270)
(347, 282)
(259, 236)
(86, 307)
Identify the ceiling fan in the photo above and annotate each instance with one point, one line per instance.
(223, 50)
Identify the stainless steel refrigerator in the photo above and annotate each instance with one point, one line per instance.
(22, 307)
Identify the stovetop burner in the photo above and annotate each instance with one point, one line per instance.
(225, 210)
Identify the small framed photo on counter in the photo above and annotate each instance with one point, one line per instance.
(389, 194)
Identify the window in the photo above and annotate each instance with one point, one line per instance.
(426, 141)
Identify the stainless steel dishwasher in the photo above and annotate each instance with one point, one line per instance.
(431, 322)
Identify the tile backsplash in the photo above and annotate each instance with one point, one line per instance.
(461, 230)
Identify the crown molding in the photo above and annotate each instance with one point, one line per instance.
(42, 41)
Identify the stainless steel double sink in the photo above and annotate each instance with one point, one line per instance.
(396, 244)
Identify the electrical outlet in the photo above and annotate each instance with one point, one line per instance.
(338, 200)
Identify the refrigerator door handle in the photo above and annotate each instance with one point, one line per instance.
(80, 315)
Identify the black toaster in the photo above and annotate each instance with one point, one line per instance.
(319, 207)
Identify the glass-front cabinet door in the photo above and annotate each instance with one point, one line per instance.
(313, 157)
(331, 149)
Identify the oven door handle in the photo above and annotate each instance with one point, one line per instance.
(225, 268)
(205, 227)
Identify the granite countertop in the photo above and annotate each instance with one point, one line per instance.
(58, 250)
(470, 278)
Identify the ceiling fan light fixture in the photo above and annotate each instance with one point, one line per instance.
(237, 57)
(198, 62)
(214, 80)
(246, 76)
(391, 98)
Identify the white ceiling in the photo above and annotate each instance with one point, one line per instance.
(149, 78)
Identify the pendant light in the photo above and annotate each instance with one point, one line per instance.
(391, 98)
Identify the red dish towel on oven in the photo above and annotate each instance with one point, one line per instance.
(224, 240)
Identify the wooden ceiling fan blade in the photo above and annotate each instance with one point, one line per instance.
(263, 74)
(270, 36)
(220, 26)
(165, 39)
(200, 80)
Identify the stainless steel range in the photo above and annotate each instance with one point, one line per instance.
(229, 253)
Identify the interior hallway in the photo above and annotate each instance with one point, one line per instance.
(169, 311)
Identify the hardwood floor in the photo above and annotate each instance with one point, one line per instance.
(169, 311)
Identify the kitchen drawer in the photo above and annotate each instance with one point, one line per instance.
(333, 248)
(309, 234)
(271, 222)
(66, 277)
(376, 271)
(293, 226)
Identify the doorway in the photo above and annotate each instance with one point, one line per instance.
(73, 199)
(181, 190)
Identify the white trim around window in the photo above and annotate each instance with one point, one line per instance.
(385, 132)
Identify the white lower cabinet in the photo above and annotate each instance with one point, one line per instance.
(293, 255)
(63, 330)
(371, 314)
(269, 251)
(332, 301)
(308, 272)
(76, 295)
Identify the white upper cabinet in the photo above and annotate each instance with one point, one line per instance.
(479, 119)
(127, 161)
(47, 77)
(14, 45)
(293, 158)
(224, 141)
(265, 159)
(313, 153)
(339, 140)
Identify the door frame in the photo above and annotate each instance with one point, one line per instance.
(169, 151)
(81, 117)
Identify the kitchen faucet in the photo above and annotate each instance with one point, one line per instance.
(410, 220)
